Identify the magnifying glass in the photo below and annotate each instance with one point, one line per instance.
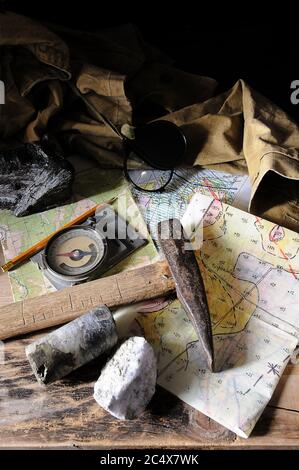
(151, 156)
(158, 147)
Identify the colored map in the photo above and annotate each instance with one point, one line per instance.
(173, 201)
(250, 269)
(92, 186)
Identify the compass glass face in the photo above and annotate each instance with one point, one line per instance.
(76, 251)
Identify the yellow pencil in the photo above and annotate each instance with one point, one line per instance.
(41, 244)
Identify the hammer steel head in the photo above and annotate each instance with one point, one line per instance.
(189, 283)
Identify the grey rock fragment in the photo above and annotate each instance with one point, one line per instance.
(69, 347)
(127, 382)
(34, 177)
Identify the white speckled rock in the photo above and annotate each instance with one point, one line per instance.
(128, 381)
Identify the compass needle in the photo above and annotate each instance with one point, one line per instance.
(82, 248)
(64, 254)
(77, 253)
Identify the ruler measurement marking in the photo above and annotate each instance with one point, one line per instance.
(117, 285)
(22, 313)
(71, 301)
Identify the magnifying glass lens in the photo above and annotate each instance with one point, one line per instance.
(157, 148)
(144, 177)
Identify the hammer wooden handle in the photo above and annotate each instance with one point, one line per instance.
(147, 282)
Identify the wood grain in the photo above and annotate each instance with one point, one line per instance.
(65, 415)
(59, 307)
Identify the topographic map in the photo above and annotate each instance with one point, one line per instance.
(250, 269)
(173, 201)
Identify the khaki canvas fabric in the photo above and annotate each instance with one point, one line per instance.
(242, 131)
(128, 81)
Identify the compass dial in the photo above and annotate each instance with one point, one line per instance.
(75, 251)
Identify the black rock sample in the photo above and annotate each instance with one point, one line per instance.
(34, 177)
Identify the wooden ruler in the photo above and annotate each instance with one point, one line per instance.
(62, 306)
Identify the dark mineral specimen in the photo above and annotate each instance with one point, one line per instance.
(34, 177)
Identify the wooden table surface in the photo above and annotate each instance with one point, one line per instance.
(65, 415)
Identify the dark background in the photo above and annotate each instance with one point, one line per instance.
(254, 41)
